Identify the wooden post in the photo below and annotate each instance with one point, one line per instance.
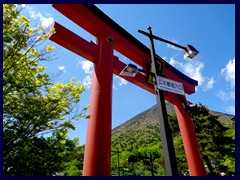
(191, 147)
(97, 154)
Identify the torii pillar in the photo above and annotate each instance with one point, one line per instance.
(98, 143)
(111, 36)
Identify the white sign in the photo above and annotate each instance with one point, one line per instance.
(170, 85)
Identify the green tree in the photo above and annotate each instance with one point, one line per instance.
(217, 142)
(37, 112)
(72, 164)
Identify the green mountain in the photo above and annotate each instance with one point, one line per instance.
(135, 140)
(150, 116)
(140, 136)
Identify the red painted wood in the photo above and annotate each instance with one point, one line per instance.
(98, 143)
(94, 25)
(91, 23)
(74, 43)
(89, 50)
(193, 155)
(140, 81)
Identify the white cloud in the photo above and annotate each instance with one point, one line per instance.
(121, 81)
(230, 109)
(87, 81)
(113, 86)
(46, 20)
(62, 68)
(225, 96)
(209, 84)
(229, 72)
(164, 58)
(172, 61)
(87, 67)
(23, 5)
(192, 69)
(229, 75)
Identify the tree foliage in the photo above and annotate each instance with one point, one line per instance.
(72, 163)
(37, 112)
(216, 141)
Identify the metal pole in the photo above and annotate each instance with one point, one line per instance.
(151, 161)
(163, 40)
(118, 163)
(165, 131)
(118, 167)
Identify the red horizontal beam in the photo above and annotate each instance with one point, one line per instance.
(89, 50)
(94, 25)
(140, 80)
(83, 17)
(74, 43)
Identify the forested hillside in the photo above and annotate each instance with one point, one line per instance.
(138, 139)
(140, 136)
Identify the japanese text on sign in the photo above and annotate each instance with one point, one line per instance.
(170, 85)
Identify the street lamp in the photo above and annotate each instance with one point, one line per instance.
(189, 50)
(132, 70)
(118, 167)
(157, 70)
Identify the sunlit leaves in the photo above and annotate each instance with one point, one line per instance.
(49, 48)
(52, 30)
(34, 105)
(24, 21)
(33, 52)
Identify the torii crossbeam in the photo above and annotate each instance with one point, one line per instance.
(111, 36)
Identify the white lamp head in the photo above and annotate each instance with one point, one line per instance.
(130, 70)
(191, 51)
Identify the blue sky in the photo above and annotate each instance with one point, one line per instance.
(209, 28)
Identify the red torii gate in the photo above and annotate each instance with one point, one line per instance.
(111, 36)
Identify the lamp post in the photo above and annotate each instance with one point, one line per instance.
(189, 50)
(151, 161)
(157, 70)
(165, 131)
(118, 166)
(135, 158)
